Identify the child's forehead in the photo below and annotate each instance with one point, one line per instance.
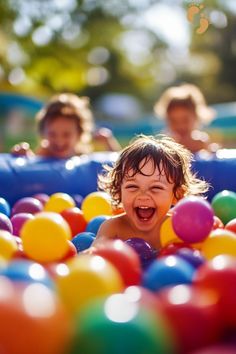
(147, 167)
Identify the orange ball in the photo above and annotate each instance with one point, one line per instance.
(33, 320)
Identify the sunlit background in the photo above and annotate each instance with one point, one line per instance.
(120, 53)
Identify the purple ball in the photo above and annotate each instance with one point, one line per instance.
(42, 197)
(5, 223)
(18, 221)
(143, 248)
(27, 205)
(194, 257)
(193, 219)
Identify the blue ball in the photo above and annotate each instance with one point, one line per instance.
(94, 224)
(83, 240)
(5, 207)
(27, 271)
(167, 271)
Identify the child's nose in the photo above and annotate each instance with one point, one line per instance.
(144, 195)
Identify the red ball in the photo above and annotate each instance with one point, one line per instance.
(193, 314)
(218, 224)
(75, 218)
(219, 274)
(124, 258)
(172, 248)
(231, 225)
(72, 252)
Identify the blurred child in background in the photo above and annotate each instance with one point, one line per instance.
(65, 125)
(185, 110)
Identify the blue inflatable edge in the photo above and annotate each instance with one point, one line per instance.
(23, 176)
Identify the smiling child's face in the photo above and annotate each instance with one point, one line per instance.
(147, 197)
(62, 136)
(182, 120)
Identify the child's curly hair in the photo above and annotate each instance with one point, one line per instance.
(168, 157)
(72, 107)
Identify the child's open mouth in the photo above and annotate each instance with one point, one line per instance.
(145, 213)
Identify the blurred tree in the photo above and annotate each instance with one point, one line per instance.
(94, 47)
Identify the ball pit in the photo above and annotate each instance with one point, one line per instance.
(89, 296)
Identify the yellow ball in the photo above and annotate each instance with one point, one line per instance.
(88, 277)
(219, 242)
(167, 234)
(59, 202)
(95, 204)
(45, 237)
(8, 245)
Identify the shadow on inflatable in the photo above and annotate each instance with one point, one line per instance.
(23, 176)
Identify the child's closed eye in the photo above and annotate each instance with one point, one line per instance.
(156, 188)
(131, 187)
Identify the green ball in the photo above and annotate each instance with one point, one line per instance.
(118, 326)
(224, 205)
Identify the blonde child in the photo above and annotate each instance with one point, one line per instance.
(149, 177)
(185, 110)
(65, 125)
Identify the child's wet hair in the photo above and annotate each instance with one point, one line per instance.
(169, 157)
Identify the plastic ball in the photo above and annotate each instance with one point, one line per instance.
(5, 223)
(119, 325)
(72, 252)
(8, 245)
(78, 200)
(167, 233)
(95, 204)
(173, 248)
(45, 237)
(27, 205)
(231, 225)
(87, 278)
(124, 258)
(94, 224)
(167, 271)
(218, 224)
(219, 242)
(183, 303)
(27, 271)
(141, 247)
(42, 197)
(59, 202)
(218, 348)
(83, 240)
(194, 257)
(75, 218)
(34, 319)
(192, 219)
(18, 221)
(4, 207)
(219, 274)
(224, 205)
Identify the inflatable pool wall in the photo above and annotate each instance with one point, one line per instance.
(21, 176)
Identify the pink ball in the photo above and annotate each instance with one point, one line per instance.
(193, 219)
(18, 221)
(27, 205)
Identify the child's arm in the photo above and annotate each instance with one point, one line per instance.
(105, 231)
(105, 136)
